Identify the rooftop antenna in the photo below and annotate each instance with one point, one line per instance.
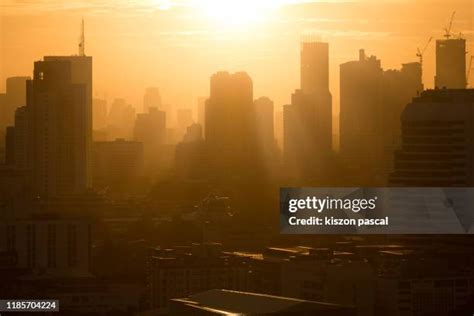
(447, 30)
(82, 40)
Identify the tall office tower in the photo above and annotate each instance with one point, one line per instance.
(10, 146)
(265, 126)
(279, 129)
(191, 160)
(437, 141)
(314, 67)
(150, 129)
(398, 88)
(118, 165)
(3, 121)
(230, 123)
(360, 89)
(201, 112)
(14, 97)
(99, 114)
(21, 138)
(451, 64)
(184, 118)
(193, 133)
(371, 103)
(152, 99)
(307, 135)
(121, 120)
(60, 123)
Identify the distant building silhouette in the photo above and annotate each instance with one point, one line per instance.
(152, 99)
(193, 133)
(265, 127)
(437, 141)
(201, 112)
(371, 101)
(360, 89)
(99, 114)
(307, 123)
(191, 157)
(59, 101)
(14, 98)
(451, 63)
(118, 165)
(10, 146)
(121, 120)
(231, 123)
(22, 138)
(314, 67)
(184, 119)
(150, 129)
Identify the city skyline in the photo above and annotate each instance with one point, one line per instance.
(158, 35)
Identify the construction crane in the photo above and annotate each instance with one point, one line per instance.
(469, 71)
(447, 30)
(421, 52)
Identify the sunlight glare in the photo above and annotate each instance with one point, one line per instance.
(235, 13)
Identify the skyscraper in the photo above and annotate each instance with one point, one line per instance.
(360, 89)
(152, 98)
(14, 98)
(265, 126)
(230, 121)
(307, 122)
(314, 67)
(60, 125)
(371, 103)
(437, 141)
(201, 112)
(451, 63)
(99, 114)
(150, 129)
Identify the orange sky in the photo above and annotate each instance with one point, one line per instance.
(178, 44)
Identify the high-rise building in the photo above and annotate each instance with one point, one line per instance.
(437, 141)
(307, 136)
(59, 102)
(265, 126)
(193, 133)
(99, 114)
(150, 129)
(314, 67)
(21, 138)
(191, 157)
(184, 118)
(201, 112)
(360, 89)
(10, 146)
(371, 101)
(230, 121)
(451, 63)
(14, 98)
(307, 125)
(152, 99)
(118, 165)
(398, 88)
(121, 120)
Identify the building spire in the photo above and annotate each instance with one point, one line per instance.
(82, 40)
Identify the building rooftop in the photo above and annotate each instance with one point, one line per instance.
(226, 302)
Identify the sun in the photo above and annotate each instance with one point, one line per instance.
(235, 13)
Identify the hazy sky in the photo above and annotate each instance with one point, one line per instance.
(177, 44)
